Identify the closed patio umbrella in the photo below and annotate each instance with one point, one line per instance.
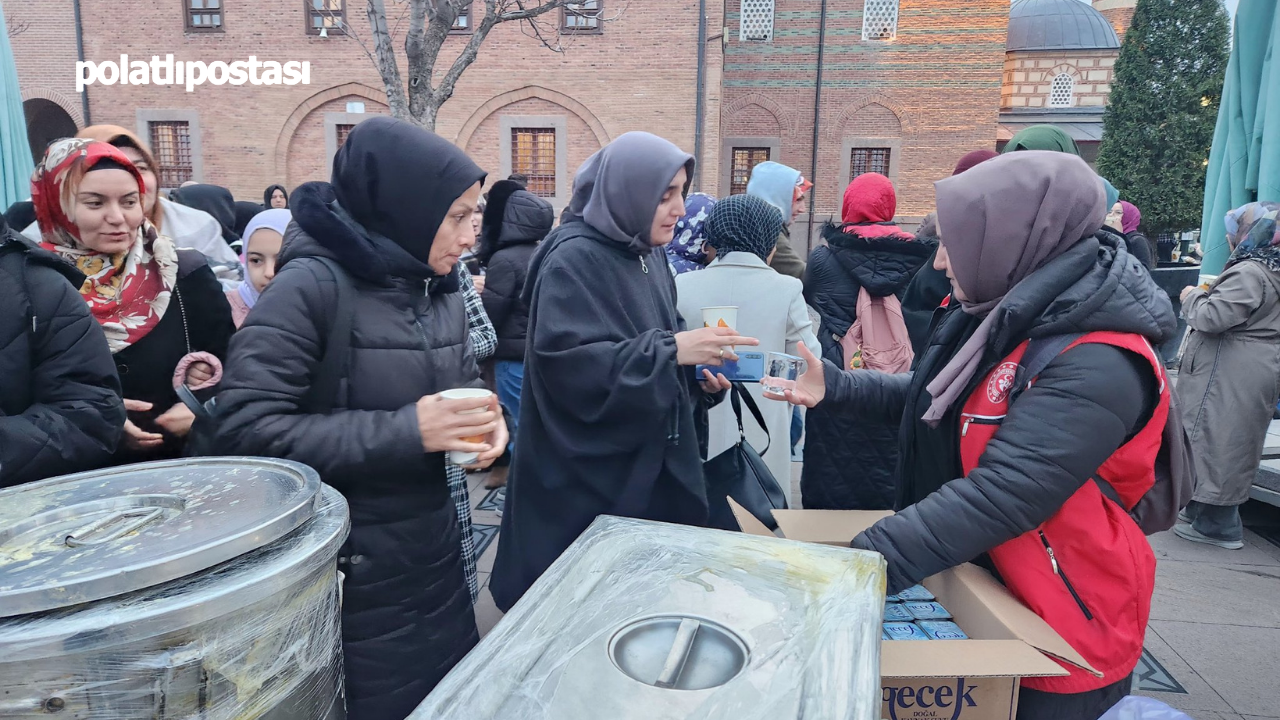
(1244, 164)
(15, 153)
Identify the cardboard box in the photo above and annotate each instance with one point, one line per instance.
(975, 679)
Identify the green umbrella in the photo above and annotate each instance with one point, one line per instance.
(15, 152)
(1244, 164)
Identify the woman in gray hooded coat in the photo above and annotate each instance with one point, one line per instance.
(1230, 375)
(607, 405)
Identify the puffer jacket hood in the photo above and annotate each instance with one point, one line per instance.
(883, 265)
(514, 216)
(1095, 285)
(776, 184)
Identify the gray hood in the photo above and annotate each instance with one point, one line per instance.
(618, 189)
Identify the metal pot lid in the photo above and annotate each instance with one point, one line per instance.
(94, 535)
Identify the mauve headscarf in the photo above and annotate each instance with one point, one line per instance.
(1000, 222)
(617, 190)
(973, 158)
(1132, 217)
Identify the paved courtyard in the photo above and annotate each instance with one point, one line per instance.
(1213, 646)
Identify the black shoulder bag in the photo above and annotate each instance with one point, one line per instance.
(740, 473)
(323, 392)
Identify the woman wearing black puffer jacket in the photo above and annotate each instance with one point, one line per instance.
(850, 461)
(515, 221)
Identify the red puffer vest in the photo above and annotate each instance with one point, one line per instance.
(1088, 570)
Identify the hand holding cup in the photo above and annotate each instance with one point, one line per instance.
(458, 421)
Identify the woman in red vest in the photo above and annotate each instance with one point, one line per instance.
(1033, 489)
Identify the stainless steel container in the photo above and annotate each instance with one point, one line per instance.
(177, 590)
(665, 622)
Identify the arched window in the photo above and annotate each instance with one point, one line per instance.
(880, 20)
(1062, 92)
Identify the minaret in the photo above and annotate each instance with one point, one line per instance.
(1117, 12)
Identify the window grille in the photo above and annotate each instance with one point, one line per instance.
(880, 20)
(756, 21)
(533, 154)
(1062, 92)
(341, 132)
(171, 143)
(744, 161)
(865, 160)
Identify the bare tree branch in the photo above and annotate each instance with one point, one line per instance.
(386, 63)
(18, 28)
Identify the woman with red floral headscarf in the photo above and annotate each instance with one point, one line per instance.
(88, 198)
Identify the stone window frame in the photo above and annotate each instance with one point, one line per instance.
(559, 123)
(464, 12)
(308, 11)
(727, 144)
(756, 13)
(886, 13)
(1054, 91)
(894, 145)
(331, 122)
(143, 117)
(596, 14)
(188, 12)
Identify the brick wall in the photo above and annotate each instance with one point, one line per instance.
(1117, 12)
(1028, 77)
(255, 136)
(935, 89)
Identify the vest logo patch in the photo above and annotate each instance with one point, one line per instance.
(1001, 382)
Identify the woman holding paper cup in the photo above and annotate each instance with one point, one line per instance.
(609, 396)
(395, 219)
(1031, 473)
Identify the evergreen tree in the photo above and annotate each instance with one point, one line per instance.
(1159, 121)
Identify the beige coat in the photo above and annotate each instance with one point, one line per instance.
(771, 309)
(1229, 378)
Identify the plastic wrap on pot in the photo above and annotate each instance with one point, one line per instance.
(647, 620)
(255, 637)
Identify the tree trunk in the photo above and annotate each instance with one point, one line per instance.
(388, 68)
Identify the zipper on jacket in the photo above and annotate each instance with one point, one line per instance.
(1057, 570)
(643, 265)
(970, 419)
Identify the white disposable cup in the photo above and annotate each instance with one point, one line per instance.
(724, 316)
(458, 457)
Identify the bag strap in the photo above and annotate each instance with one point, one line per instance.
(739, 391)
(193, 404)
(333, 365)
(1039, 354)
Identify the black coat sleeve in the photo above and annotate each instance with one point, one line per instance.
(1055, 437)
(502, 289)
(78, 415)
(269, 369)
(877, 396)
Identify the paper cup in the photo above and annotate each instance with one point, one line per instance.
(457, 457)
(724, 316)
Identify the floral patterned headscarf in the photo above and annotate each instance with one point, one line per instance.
(685, 251)
(127, 292)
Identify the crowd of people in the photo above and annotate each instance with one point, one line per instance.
(990, 376)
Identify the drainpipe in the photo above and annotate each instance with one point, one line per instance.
(817, 119)
(84, 94)
(701, 110)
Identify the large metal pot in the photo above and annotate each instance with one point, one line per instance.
(646, 621)
(175, 590)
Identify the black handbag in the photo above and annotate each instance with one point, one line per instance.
(319, 399)
(740, 473)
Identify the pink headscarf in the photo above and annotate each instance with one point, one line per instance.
(1132, 217)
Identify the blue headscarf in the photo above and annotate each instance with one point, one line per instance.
(685, 252)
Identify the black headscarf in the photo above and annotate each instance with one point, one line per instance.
(215, 200)
(245, 211)
(266, 196)
(399, 180)
(21, 214)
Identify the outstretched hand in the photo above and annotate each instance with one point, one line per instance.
(811, 387)
(709, 346)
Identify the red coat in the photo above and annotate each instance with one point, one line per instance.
(1088, 570)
